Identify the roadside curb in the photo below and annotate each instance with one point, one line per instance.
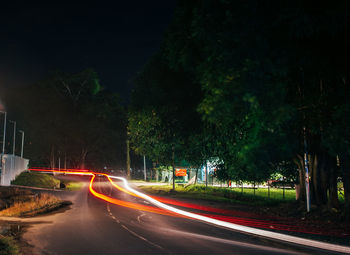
(19, 219)
(36, 188)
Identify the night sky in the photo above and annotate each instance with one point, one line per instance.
(115, 40)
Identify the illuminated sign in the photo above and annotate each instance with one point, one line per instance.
(180, 172)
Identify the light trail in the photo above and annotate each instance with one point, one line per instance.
(259, 232)
(173, 211)
(251, 222)
(127, 204)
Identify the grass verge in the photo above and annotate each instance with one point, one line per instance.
(72, 185)
(36, 180)
(38, 204)
(233, 195)
(8, 246)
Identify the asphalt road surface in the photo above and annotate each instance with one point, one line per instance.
(93, 226)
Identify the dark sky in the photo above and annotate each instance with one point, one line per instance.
(116, 40)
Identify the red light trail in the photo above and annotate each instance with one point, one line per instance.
(234, 223)
(127, 204)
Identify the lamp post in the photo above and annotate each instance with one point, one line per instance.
(22, 132)
(14, 136)
(4, 137)
(144, 167)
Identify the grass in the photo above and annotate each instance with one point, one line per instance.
(230, 194)
(277, 194)
(73, 185)
(8, 246)
(36, 180)
(38, 204)
(142, 180)
(226, 194)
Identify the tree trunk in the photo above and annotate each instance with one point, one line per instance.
(314, 185)
(322, 179)
(345, 165)
(299, 161)
(195, 180)
(333, 201)
(82, 158)
(128, 158)
(65, 160)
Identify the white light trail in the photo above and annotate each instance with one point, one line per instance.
(254, 231)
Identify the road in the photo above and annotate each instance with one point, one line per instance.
(94, 226)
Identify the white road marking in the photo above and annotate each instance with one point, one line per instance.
(254, 231)
(244, 229)
(132, 232)
(139, 217)
(141, 237)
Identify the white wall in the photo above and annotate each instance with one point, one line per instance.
(11, 167)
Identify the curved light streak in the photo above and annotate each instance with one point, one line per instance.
(269, 223)
(259, 232)
(232, 226)
(127, 204)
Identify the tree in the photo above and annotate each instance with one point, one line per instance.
(70, 116)
(268, 70)
(162, 116)
(271, 79)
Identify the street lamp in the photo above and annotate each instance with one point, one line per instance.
(22, 132)
(3, 138)
(14, 136)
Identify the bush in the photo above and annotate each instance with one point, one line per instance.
(39, 204)
(8, 246)
(36, 180)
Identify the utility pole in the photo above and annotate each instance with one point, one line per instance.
(14, 137)
(173, 163)
(59, 161)
(65, 160)
(206, 173)
(4, 137)
(128, 157)
(306, 162)
(22, 132)
(144, 167)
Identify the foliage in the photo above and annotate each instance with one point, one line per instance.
(264, 82)
(38, 205)
(8, 246)
(162, 114)
(72, 185)
(71, 117)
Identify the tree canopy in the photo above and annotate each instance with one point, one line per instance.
(267, 82)
(71, 117)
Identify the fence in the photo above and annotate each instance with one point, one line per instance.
(11, 166)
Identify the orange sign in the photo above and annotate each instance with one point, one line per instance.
(180, 172)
